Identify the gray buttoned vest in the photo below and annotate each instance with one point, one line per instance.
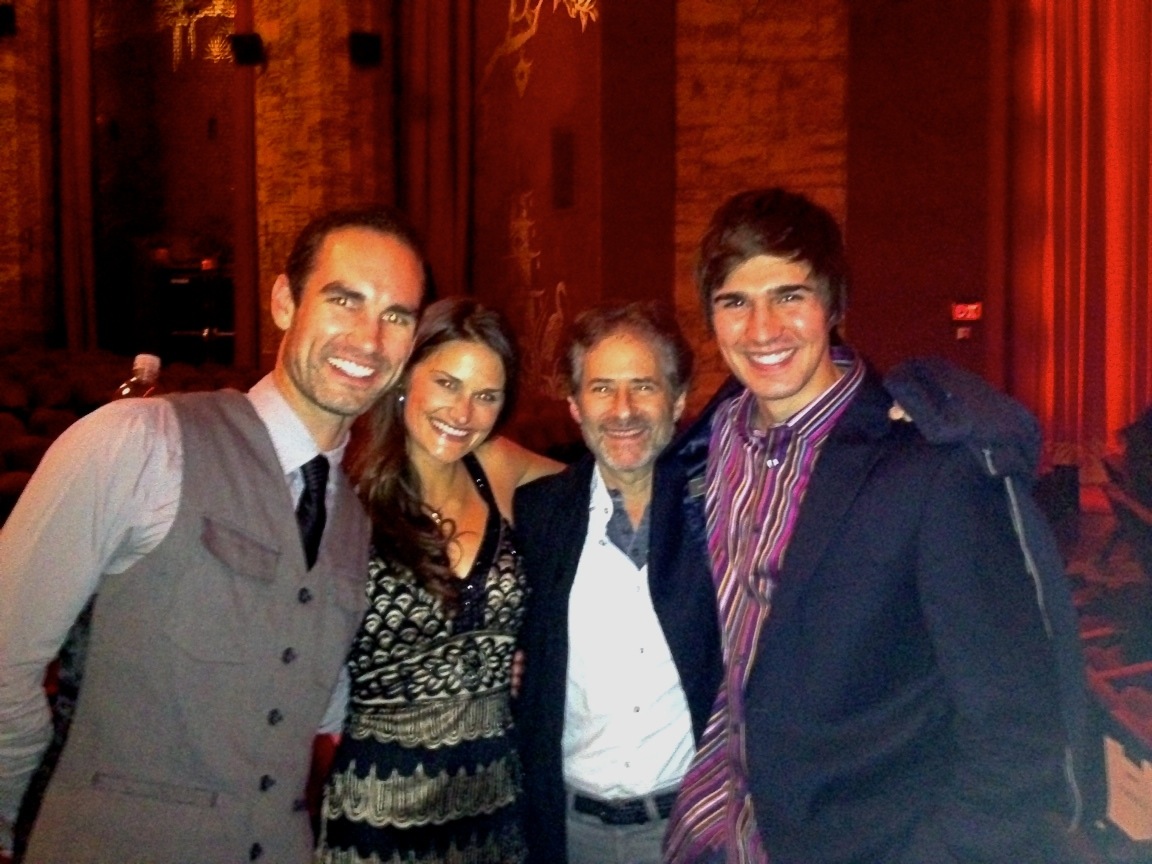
(210, 665)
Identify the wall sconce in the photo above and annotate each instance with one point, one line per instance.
(365, 49)
(7, 19)
(247, 49)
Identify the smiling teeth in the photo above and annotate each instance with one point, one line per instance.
(773, 358)
(356, 370)
(451, 431)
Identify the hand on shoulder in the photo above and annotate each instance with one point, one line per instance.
(509, 465)
(519, 464)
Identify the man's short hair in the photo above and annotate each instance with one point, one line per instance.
(379, 218)
(648, 320)
(782, 224)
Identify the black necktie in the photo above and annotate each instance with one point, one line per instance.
(310, 512)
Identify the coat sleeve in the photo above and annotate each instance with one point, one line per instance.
(980, 606)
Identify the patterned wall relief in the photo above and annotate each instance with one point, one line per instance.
(523, 23)
(543, 310)
(184, 15)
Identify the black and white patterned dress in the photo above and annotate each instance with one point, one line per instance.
(426, 770)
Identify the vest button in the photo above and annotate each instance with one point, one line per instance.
(255, 851)
(304, 595)
(288, 656)
(267, 782)
(274, 716)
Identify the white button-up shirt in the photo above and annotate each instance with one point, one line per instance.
(627, 730)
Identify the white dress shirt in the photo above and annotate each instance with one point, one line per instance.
(104, 496)
(627, 730)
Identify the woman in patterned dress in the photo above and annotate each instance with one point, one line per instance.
(426, 770)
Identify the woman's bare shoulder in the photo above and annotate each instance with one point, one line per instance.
(508, 465)
(516, 463)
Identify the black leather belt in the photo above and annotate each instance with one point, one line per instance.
(626, 811)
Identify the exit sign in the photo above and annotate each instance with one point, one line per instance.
(967, 311)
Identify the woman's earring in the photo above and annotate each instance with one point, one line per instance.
(401, 399)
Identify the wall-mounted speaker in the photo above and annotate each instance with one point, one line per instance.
(7, 19)
(247, 49)
(365, 49)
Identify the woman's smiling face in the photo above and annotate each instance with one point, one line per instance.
(453, 399)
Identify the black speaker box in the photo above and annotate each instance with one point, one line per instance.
(365, 49)
(7, 19)
(247, 49)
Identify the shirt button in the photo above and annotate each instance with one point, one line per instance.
(288, 656)
(255, 851)
(636, 710)
(603, 542)
(274, 716)
(267, 782)
(304, 595)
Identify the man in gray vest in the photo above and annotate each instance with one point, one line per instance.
(222, 619)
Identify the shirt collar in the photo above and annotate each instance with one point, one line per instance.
(809, 418)
(291, 439)
(600, 501)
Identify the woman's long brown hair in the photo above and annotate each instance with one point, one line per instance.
(403, 529)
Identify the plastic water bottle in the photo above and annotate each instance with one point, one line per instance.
(144, 380)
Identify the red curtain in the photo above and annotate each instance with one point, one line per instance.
(435, 134)
(1079, 318)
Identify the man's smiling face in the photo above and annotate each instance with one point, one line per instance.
(347, 338)
(772, 328)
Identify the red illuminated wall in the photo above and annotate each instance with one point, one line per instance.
(575, 180)
(921, 203)
(537, 227)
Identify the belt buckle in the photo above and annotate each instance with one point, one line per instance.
(631, 812)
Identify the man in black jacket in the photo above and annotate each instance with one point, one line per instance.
(900, 679)
(623, 655)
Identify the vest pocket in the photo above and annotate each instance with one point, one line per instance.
(240, 552)
(218, 600)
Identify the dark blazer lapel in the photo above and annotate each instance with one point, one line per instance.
(836, 480)
(569, 524)
(852, 449)
(675, 513)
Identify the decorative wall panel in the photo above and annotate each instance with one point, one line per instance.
(27, 242)
(537, 254)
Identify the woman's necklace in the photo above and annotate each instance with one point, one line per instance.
(436, 514)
